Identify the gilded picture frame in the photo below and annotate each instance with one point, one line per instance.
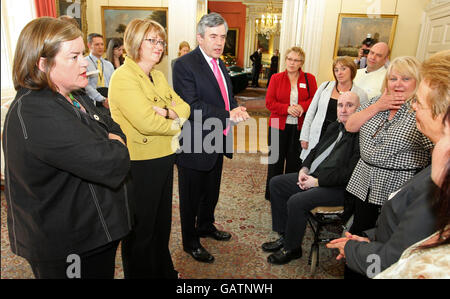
(263, 42)
(232, 42)
(116, 18)
(75, 9)
(352, 29)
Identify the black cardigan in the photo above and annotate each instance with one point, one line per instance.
(64, 178)
(337, 168)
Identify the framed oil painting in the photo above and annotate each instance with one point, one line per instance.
(116, 18)
(231, 44)
(75, 9)
(262, 42)
(352, 29)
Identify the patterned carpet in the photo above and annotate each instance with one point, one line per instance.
(243, 211)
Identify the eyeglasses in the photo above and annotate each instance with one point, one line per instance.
(418, 104)
(380, 126)
(294, 60)
(154, 42)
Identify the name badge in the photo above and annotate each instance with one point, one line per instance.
(302, 85)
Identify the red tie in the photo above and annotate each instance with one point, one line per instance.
(222, 89)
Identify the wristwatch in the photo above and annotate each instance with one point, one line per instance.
(167, 110)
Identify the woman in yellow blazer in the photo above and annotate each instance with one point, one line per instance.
(150, 114)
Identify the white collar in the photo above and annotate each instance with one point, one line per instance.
(94, 57)
(207, 58)
(383, 68)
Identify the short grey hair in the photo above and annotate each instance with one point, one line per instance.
(210, 20)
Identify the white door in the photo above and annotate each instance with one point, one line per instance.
(435, 35)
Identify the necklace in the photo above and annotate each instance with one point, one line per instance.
(341, 92)
(74, 102)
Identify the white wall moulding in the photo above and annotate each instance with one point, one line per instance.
(312, 36)
(291, 31)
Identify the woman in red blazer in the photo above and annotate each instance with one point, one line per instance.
(288, 98)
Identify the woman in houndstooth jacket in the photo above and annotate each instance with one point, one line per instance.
(393, 150)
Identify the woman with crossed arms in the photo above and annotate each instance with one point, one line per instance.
(151, 115)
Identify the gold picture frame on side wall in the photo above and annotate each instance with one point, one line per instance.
(352, 29)
(75, 9)
(232, 42)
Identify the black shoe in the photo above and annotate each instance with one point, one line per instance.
(273, 246)
(284, 256)
(200, 254)
(217, 234)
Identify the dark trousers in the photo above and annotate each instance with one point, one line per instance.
(364, 218)
(145, 251)
(291, 206)
(94, 264)
(255, 74)
(199, 194)
(270, 76)
(288, 153)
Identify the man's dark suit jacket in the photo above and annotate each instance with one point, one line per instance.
(195, 83)
(405, 219)
(337, 168)
(256, 58)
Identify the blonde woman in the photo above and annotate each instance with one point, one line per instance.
(393, 150)
(183, 49)
(288, 97)
(409, 214)
(151, 115)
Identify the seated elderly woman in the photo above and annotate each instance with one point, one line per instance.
(320, 182)
(407, 217)
(393, 150)
(430, 258)
(66, 163)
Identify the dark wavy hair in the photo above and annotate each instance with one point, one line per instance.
(113, 44)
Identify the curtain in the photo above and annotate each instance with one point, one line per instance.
(45, 8)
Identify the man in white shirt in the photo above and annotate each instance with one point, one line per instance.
(98, 82)
(370, 79)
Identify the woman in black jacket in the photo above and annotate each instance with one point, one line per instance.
(321, 181)
(65, 162)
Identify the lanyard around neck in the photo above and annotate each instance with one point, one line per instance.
(95, 64)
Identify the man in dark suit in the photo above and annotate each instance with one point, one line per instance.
(201, 79)
(256, 58)
(273, 65)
